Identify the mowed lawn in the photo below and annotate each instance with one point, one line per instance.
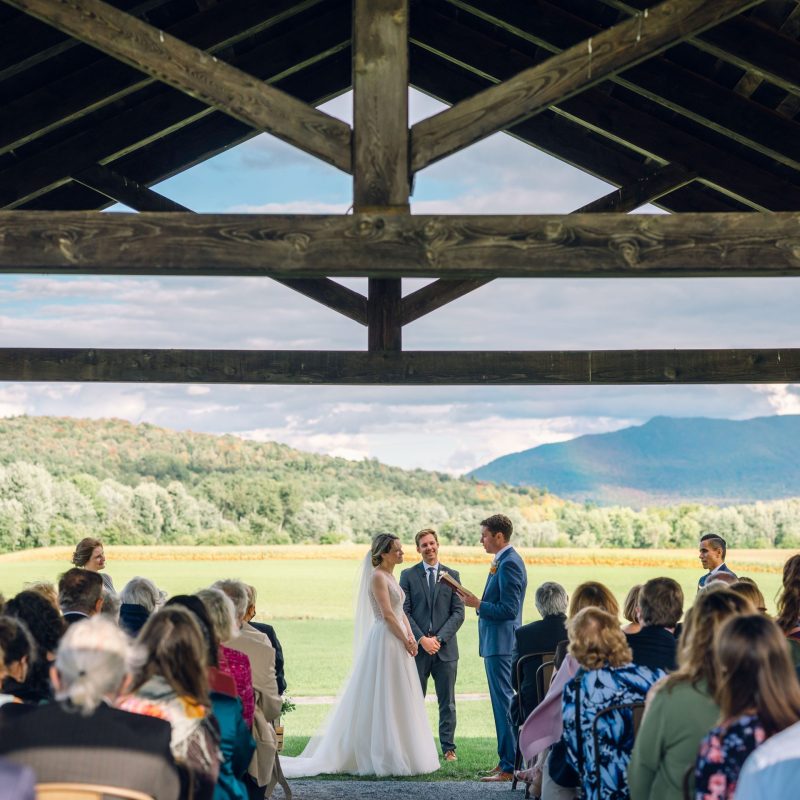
(307, 594)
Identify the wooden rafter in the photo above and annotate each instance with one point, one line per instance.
(563, 75)
(198, 74)
(402, 368)
(394, 245)
(627, 198)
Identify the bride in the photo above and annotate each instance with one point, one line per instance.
(379, 725)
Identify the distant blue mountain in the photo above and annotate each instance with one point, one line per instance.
(667, 460)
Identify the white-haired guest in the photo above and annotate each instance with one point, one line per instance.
(81, 737)
(140, 598)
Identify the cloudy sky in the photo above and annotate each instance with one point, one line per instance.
(449, 428)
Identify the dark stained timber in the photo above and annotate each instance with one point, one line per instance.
(198, 74)
(403, 368)
(401, 245)
(566, 74)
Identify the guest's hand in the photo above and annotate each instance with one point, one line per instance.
(430, 644)
(469, 599)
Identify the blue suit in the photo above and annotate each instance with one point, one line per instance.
(499, 615)
(723, 568)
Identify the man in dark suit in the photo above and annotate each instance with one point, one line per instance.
(435, 613)
(660, 609)
(80, 594)
(713, 550)
(540, 636)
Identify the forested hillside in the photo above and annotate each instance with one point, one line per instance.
(61, 479)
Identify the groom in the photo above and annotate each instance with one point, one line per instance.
(499, 615)
(435, 613)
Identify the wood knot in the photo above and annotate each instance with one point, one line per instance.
(671, 373)
(368, 227)
(299, 242)
(627, 249)
(553, 231)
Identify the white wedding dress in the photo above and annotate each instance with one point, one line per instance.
(379, 725)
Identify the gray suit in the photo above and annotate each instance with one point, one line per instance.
(441, 618)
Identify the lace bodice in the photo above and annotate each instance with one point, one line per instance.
(396, 597)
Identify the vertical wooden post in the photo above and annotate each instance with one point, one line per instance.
(381, 182)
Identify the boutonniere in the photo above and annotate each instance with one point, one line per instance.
(493, 569)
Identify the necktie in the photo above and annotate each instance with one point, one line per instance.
(431, 587)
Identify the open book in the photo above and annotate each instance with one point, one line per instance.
(449, 580)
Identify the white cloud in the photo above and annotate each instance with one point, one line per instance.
(782, 398)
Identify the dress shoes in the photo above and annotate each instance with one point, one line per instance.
(495, 770)
(498, 777)
(450, 755)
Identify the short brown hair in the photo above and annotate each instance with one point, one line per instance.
(79, 590)
(789, 600)
(661, 602)
(596, 640)
(499, 523)
(748, 588)
(83, 551)
(425, 532)
(593, 594)
(630, 607)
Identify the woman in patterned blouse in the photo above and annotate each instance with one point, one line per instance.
(606, 678)
(758, 695)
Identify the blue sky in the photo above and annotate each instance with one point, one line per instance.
(451, 428)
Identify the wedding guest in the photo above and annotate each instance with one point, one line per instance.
(660, 610)
(140, 598)
(111, 606)
(630, 610)
(46, 590)
(172, 685)
(269, 632)
(607, 677)
(749, 588)
(80, 594)
(681, 709)
(18, 650)
(81, 737)
(222, 616)
(758, 695)
(46, 627)
(713, 550)
(89, 554)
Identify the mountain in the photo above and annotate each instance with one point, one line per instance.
(665, 461)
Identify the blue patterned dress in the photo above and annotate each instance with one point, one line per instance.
(600, 689)
(722, 754)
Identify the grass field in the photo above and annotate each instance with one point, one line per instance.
(307, 594)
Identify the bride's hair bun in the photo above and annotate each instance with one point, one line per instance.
(381, 543)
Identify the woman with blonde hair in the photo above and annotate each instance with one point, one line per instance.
(89, 554)
(630, 610)
(748, 589)
(681, 708)
(758, 696)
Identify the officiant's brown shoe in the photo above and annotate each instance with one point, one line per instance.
(495, 770)
(498, 777)
(450, 755)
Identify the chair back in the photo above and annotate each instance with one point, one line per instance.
(87, 791)
(543, 656)
(544, 677)
(636, 711)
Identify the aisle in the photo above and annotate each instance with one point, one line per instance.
(304, 789)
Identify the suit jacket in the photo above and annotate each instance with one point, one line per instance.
(535, 637)
(500, 613)
(71, 617)
(110, 747)
(654, 647)
(448, 608)
(703, 578)
(269, 632)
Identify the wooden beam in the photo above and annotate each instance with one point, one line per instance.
(380, 141)
(391, 245)
(496, 368)
(96, 84)
(124, 190)
(625, 199)
(194, 72)
(565, 74)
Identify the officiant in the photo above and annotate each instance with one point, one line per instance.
(435, 613)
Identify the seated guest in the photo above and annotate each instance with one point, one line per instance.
(111, 606)
(46, 590)
(171, 684)
(630, 610)
(606, 677)
(222, 616)
(788, 618)
(770, 771)
(748, 588)
(80, 594)
(269, 632)
(89, 555)
(140, 598)
(16, 782)
(81, 738)
(681, 709)
(660, 609)
(713, 550)
(758, 696)
(264, 770)
(537, 637)
(46, 627)
(17, 650)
